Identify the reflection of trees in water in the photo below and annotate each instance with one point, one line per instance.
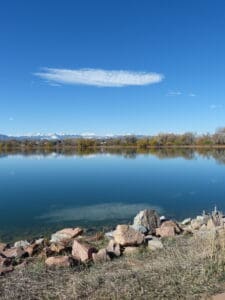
(130, 153)
(163, 153)
(216, 153)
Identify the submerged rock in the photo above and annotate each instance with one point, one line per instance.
(148, 219)
(125, 235)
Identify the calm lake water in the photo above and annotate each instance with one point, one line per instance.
(41, 193)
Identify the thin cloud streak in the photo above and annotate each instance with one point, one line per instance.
(215, 106)
(192, 95)
(174, 93)
(99, 77)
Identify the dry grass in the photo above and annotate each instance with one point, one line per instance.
(187, 268)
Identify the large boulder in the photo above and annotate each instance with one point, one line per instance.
(82, 252)
(168, 229)
(59, 261)
(65, 235)
(127, 236)
(148, 219)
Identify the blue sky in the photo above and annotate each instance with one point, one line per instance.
(86, 66)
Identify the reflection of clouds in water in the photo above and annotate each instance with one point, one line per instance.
(89, 156)
(98, 212)
(54, 155)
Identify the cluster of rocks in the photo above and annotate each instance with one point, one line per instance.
(204, 222)
(69, 246)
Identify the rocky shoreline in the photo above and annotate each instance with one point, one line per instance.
(70, 246)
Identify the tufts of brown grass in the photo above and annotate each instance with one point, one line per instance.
(187, 268)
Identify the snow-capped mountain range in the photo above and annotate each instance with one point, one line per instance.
(55, 136)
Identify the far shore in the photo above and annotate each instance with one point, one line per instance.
(94, 148)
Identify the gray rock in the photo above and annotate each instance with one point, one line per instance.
(39, 241)
(186, 221)
(109, 234)
(162, 218)
(147, 218)
(22, 244)
(140, 228)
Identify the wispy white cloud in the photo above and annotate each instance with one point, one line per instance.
(179, 93)
(11, 119)
(99, 77)
(174, 93)
(215, 106)
(192, 95)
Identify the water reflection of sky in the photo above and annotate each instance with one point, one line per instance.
(43, 189)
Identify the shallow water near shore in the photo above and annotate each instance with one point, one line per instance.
(42, 192)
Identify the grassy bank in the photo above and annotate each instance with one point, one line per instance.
(188, 267)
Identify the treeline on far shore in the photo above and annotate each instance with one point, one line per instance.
(143, 142)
